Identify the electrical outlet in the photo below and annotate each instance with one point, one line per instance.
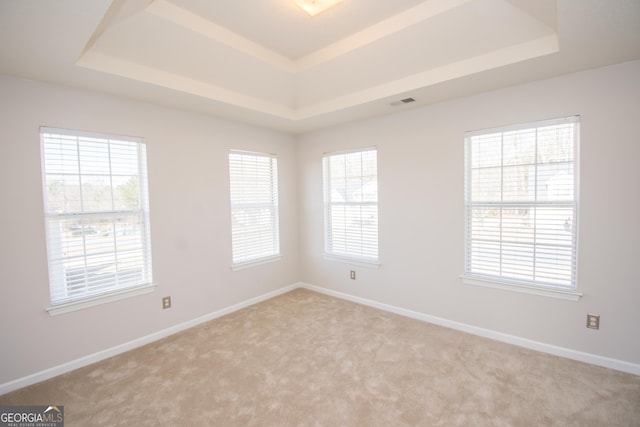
(593, 321)
(166, 303)
(353, 275)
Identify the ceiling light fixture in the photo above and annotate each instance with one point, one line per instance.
(313, 7)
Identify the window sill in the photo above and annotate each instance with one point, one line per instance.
(249, 264)
(523, 288)
(92, 301)
(353, 261)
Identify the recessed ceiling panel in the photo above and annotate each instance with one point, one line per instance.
(147, 40)
(162, 43)
(267, 62)
(472, 30)
(280, 25)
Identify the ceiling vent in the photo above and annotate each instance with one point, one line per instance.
(403, 101)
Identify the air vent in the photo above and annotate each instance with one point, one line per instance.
(403, 101)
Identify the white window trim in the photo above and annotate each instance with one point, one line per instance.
(506, 284)
(95, 300)
(110, 294)
(241, 265)
(347, 258)
(249, 264)
(362, 262)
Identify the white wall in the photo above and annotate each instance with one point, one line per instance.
(421, 172)
(190, 223)
(421, 217)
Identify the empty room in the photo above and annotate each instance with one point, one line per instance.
(320, 212)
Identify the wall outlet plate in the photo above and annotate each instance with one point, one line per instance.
(353, 275)
(593, 321)
(166, 302)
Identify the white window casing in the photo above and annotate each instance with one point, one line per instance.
(521, 207)
(351, 206)
(255, 228)
(97, 217)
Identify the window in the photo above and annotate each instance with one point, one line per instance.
(97, 214)
(254, 208)
(521, 199)
(351, 205)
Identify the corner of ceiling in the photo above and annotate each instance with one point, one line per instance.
(118, 11)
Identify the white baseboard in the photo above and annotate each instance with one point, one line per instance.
(139, 342)
(593, 359)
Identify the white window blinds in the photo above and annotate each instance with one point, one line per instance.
(521, 197)
(97, 214)
(351, 205)
(254, 207)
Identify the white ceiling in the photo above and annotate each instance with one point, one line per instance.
(267, 62)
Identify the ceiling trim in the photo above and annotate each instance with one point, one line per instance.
(109, 64)
(119, 10)
(296, 72)
(186, 19)
(193, 22)
(498, 58)
(531, 49)
(394, 24)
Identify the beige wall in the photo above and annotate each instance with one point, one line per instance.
(421, 173)
(190, 223)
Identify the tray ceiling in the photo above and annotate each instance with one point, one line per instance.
(267, 62)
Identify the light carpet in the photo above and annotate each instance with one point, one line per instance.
(307, 359)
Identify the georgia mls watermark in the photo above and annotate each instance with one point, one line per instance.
(32, 416)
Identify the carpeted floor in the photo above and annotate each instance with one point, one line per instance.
(306, 359)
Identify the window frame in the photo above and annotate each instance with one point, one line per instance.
(568, 290)
(346, 256)
(239, 262)
(60, 234)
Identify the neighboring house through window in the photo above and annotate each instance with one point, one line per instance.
(351, 205)
(521, 200)
(97, 216)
